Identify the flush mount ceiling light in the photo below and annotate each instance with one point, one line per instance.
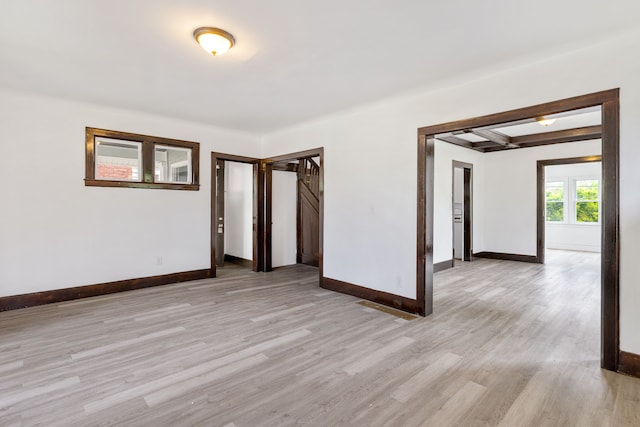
(214, 40)
(544, 121)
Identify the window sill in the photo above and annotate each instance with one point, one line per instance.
(129, 184)
(573, 224)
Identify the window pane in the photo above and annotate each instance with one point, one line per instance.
(118, 160)
(555, 201)
(555, 191)
(173, 164)
(587, 198)
(555, 211)
(587, 190)
(587, 211)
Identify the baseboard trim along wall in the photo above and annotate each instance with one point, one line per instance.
(629, 364)
(442, 265)
(507, 257)
(14, 302)
(396, 301)
(238, 261)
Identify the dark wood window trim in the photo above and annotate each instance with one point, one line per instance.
(610, 263)
(148, 144)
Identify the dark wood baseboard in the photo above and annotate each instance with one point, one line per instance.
(629, 364)
(443, 265)
(396, 301)
(238, 261)
(14, 302)
(507, 257)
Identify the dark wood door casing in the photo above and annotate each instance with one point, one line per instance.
(280, 163)
(258, 212)
(467, 253)
(467, 227)
(219, 220)
(541, 200)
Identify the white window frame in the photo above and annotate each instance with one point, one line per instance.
(188, 163)
(136, 169)
(565, 200)
(574, 201)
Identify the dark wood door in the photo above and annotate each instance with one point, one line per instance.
(309, 230)
(308, 213)
(219, 220)
(467, 250)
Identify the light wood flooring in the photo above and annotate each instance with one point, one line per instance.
(509, 344)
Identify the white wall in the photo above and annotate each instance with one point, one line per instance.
(238, 210)
(370, 169)
(509, 194)
(284, 198)
(57, 233)
(573, 236)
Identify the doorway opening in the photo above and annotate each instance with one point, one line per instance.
(236, 216)
(569, 204)
(462, 211)
(308, 169)
(607, 103)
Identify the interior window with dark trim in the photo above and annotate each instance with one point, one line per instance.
(122, 159)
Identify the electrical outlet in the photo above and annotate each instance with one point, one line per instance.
(159, 260)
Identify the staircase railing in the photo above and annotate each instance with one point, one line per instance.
(310, 175)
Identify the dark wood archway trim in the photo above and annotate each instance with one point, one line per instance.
(258, 211)
(610, 106)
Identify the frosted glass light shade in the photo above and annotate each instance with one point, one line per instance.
(214, 40)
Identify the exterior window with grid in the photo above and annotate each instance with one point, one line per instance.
(587, 201)
(555, 196)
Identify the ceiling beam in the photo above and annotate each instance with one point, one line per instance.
(559, 136)
(487, 144)
(498, 141)
(460, 142)
(494, 136)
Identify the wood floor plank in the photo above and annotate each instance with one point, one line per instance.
(378, 356)
(455, 409)
(168, 393)
(120, 344)
(419, 384)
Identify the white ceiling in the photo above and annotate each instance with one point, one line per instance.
(294, 59)
(569, 120)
